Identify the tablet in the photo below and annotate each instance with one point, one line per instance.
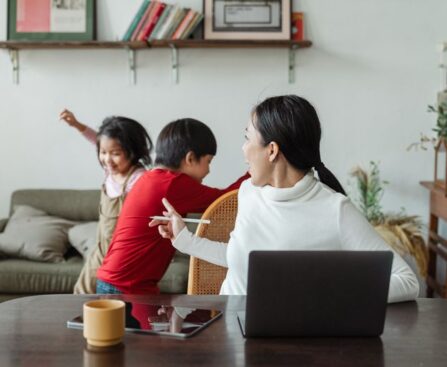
(180, 322)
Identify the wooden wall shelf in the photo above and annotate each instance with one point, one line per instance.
(33, 45)
(15, 46)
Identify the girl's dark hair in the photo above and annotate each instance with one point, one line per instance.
(180, 137)
(132, 137)
(293, 124)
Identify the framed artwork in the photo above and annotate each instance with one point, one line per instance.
(51, 20)
(247, 19)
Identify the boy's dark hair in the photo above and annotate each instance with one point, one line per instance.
(132, 137)
(180, 137)
(293, 123)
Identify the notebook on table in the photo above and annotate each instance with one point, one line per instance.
(316, 293)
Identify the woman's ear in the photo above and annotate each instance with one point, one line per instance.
(273, 151)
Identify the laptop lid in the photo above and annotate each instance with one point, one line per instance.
(317, 293)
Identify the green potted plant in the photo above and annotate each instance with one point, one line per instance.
(439, 142)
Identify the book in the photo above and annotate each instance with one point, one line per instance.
(297, 26)
(183, 24)
(175, 23)
(167, 23)
(136, 19)
(142, 21)
(161, 22)
(151, 21)
(193, 25)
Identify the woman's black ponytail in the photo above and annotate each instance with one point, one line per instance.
(329, 179)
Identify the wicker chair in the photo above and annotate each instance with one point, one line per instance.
(206, 278)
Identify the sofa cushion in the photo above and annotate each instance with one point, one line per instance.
(32, 234)
(19, 276)
(83, 237)
(78, 205)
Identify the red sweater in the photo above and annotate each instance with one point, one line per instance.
(138, 256)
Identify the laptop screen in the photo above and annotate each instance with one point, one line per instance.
(317, 293)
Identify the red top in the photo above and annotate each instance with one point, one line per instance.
(138, 256)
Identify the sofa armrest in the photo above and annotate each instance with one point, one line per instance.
(3, 222)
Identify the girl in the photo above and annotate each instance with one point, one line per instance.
(124, 148)
(284, 206)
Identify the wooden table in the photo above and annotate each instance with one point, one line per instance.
(437, 245)
(33, 332)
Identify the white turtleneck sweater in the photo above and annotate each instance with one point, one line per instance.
(308, 216)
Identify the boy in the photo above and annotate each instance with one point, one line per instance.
(138, 256)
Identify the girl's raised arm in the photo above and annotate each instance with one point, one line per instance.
(71, 120)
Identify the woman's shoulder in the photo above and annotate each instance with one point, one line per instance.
(330, 199)
(247, 188)
(248, 193)
(326, 191)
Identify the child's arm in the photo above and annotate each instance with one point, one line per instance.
(190, 196)
(71, 120)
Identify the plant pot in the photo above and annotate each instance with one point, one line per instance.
(440, 179)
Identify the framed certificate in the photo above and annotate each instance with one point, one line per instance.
(247, 19)
(51, 20)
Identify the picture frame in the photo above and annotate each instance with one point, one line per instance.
(51, 20)
(247, 19)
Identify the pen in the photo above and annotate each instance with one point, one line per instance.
(186, 220)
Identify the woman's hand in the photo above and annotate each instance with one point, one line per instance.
(173, 227)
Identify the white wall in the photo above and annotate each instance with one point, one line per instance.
(371, 74)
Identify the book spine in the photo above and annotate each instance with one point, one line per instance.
(194, 24)
(183, 25)
(176, 21)
(165, 27)
(127, 36)
(142, 21)
(152, 21)
(160, 22)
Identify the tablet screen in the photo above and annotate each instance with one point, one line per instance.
(162, 320)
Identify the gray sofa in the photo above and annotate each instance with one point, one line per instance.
(19, 277)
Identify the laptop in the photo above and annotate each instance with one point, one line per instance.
(316, 293)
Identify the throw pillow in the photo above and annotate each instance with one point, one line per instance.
(32, 234)
(83, 237)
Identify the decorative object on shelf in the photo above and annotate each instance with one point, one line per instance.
(439, 142)
(401, 231)
(441, 164)
(51, 20)
(247, 19)
(440, 177)
(297, 26)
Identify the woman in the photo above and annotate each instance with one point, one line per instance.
(283, 206)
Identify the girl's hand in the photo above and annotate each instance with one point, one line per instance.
(173, 227)
(71, 120)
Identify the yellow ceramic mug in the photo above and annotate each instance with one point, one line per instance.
(104, 321)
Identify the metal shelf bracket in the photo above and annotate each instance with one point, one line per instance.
(14, 56)
(292, 64)
(175, 63)
(132, 66)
